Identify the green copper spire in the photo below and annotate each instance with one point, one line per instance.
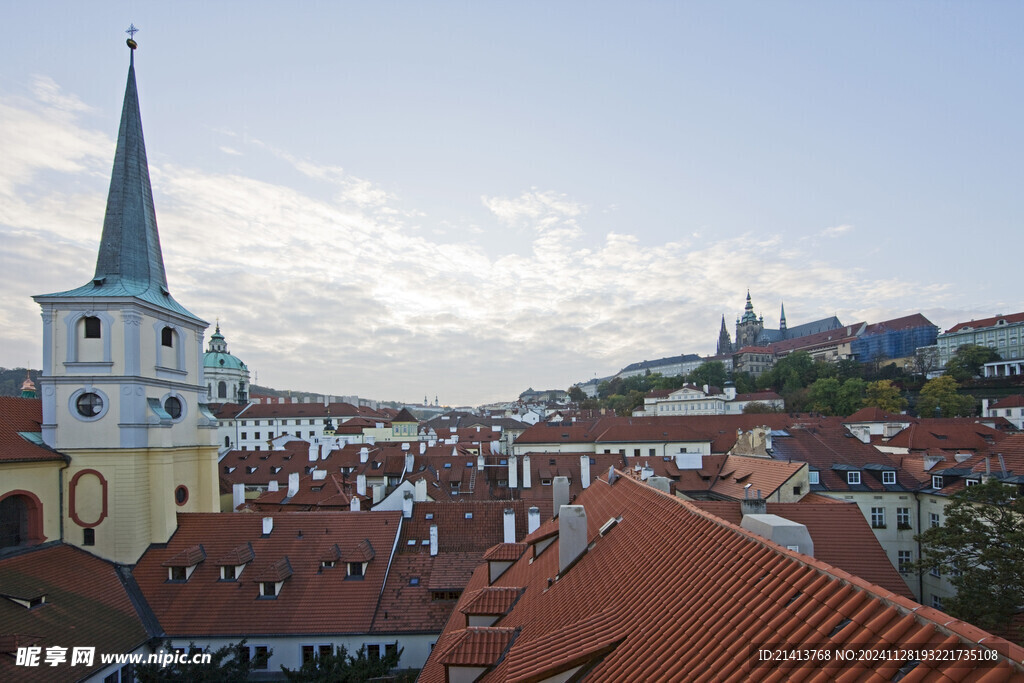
(130, 247)
(129, 263)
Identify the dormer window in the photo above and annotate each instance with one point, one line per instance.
(355, 569)
(853, 478)
(270, 589)
(936, 481)
(970, 482)
(813, 477)
(889, 477)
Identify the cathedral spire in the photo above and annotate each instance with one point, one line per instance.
(782, 317)
(748, 311)
(130, 262)
(129, 252)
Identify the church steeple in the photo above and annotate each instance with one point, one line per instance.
(748, 311)
(130, 262)
(724, 340)
(782, 318)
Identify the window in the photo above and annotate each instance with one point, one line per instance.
(177, 573)
(173, 407)
(902, 518)
(904, 558)
(390, 649)
(181, 495)
(89, 405)
(936, 572)
(355, 569)
(636, 452)
(88, 537)
(261, 659)
(796, 490)
(877, 518)
(853, 478)
(268, 589)
(933, 519)
(256, 435)
(245, 435)
(167, 337)
(227, 572)
(308, 653)
(325, 651)
(222, 389)
(889, 477)
(373, 651)
(936, 481)
(242, 654)
(92, 327)
(970, 482)
(650, 452)
(936, 601)
(812, 477)
(443, 596)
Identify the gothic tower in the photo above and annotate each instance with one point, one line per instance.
(748, 327)
(122, 387)
(724, 341)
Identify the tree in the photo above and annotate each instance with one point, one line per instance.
(968, 360)
(341, 667)
(884, 395)
(757, 407)
(744, 382)
(939, 398)
(823, 395)
(981, 548)
(576, 394)
(711, 373)
(227, 665)
(851, 396)
(926, 359)
(792, 372)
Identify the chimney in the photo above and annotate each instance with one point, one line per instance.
(372, 440)
(984, 407)
(533, 519)
(526, 472)
(272, 485)
(780, 530)
(410, 462)
(646, 473)
(361, 484)
(378, 493)
(354, 504)
(433, 540)
(560, 493)
(421, 491)
(707, 389)
(661, 483)
(364, 454)
(313, 454)
(510, 525)
(268, 525)
(480, 462)
(513, 472)
(237, 496)
(293, 484)
(407, 506)
(572, 534)
(423, 448)
(585, 470)
(753, 506)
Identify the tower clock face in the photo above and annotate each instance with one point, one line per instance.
(89, 405)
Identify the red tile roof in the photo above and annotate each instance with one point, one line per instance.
(763, 475)
(986, 322)
(673, 593)
(22, 415)
(946, 435)
(87, 603)
(841, 536)
(492, 600)
(1014, 401)
(206, 606)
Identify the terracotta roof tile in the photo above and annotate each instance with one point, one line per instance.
(986, 322)
(490, 601)
(20, 417)
(505, 552)
(737, 592)
(477, 646)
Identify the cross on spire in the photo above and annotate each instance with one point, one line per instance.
(132, 31)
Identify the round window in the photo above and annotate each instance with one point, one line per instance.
(181, 495)
(173, 407)
(89, 405)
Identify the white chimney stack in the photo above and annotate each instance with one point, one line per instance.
(237, 496)
(354, 505)
(433, 540)
(533, 519)
(585, 470)
(272, 485)
(421, 491)
(364, 454)
(268, 525)
(410, 462)
(293, 484)
(510, 525)
(572, 535)
(423, 448)
(378, 493)
(361, 484)
(314, 454)
(513, 472)
(407, 506)
(526, 472)
(560, 493)
(480, 462)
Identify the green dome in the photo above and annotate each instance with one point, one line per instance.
(216, 359)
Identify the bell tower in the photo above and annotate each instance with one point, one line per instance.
(122, 387)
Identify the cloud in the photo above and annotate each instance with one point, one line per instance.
(836, 231)
(351, 293)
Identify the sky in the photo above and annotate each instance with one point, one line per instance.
(465, 200)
